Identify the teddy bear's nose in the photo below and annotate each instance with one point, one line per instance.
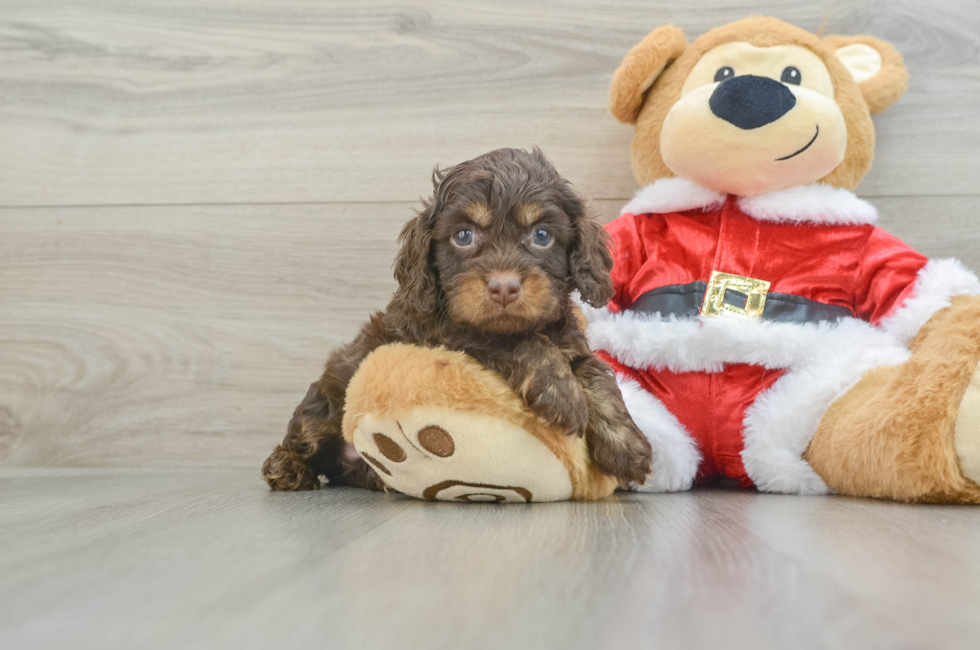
(749, 101)
(504, 288)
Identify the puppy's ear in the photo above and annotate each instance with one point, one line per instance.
(640, 69)
(417, 282)
(589, 259)
(875, 65)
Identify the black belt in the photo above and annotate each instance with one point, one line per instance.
(685, 300)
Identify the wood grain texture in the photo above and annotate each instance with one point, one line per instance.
(183, 336)
(211, 559)
(163, 335)
(221, 101)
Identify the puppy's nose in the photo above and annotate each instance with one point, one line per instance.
(749, 101)
(504, 288)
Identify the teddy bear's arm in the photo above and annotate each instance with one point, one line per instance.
(887, 276)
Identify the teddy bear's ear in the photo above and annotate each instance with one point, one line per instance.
(875, 65)
(640, 69)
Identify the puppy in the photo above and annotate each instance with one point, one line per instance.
(487, 267)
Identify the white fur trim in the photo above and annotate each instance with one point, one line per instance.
(781, 422)
(817, 203)
(937, 282)
(673, 195)
(675, 454)
(707, 344)
(822, 360)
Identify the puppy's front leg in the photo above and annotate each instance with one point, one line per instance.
(540, 373)
(314, 442)
(616, 445)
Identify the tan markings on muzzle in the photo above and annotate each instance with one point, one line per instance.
(471, 303)
(537, 298)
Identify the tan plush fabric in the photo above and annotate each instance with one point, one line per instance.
(892, 435)
(966, 436)
(890, 83)
(640, 69)
(698, 145)
(648, 164)
(400, 389)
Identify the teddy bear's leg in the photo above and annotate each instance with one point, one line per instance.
(911, 432)
(436, 424)
(966, 433)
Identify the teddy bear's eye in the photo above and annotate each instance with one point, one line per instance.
(792, 76)
(724, 73)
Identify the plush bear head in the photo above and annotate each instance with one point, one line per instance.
(755, 106)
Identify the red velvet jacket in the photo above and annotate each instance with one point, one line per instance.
(856, 266)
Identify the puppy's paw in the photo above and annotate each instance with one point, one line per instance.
(285, 471)
(561, 404)
(621, 450)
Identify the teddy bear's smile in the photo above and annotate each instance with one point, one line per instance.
(805, 147)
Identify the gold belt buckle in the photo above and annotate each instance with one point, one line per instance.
(715, 296)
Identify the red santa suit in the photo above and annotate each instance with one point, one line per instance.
(737, 321)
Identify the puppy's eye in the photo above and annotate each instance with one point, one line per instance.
(463, 238)
(791, 76)
(542, 238)
(724, 73)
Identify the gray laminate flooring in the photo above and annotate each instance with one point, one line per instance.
(212, 559)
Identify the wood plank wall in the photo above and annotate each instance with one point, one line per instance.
(198, 200)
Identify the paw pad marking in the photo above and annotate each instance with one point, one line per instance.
(432, 492)
(389, 448)
(376, 463)
(437, 441)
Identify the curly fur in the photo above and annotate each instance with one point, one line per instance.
(536, 343)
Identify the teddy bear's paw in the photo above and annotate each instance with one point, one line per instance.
(966, 438)
(449, 455)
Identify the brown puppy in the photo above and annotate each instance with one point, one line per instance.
(487, 267)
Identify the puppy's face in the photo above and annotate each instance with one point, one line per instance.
(504, 268)
(501, 244)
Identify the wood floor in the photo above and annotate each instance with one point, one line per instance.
(199, 200)
(211, 559)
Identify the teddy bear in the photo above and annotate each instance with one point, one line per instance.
(764, 329)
